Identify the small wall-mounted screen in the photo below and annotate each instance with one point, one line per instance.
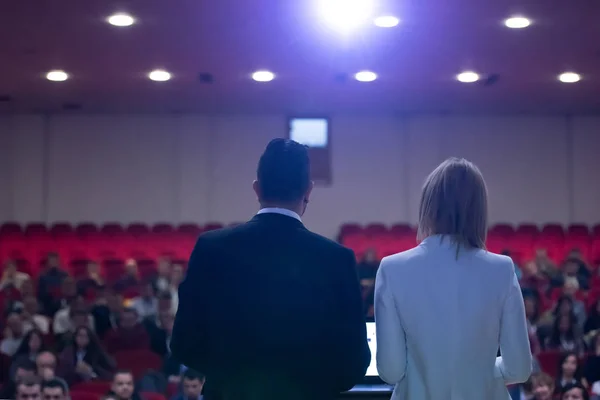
(312, 132)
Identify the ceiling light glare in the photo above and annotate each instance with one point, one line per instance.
(159, 75)
(468, 77)
(121, 20)
(57, 76)
(346, 15)
(263, 76)
(365, 76)
(569, 77)
(386, 21)
(517, 22)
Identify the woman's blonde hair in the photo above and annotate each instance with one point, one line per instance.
(454, 203)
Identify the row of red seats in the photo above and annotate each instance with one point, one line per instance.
(111, 228)
(522, 242)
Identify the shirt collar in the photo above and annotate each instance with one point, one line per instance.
(277, 210)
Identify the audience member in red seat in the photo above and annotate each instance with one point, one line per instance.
(570, 289)
(534, 280)
(177, 275)
(160, 334)
(68, 318)
(45, 364)
(123, 387)
(547, 266)
(50, 283)
(565, 335)
(131, 279)
(11, 277)
(31, 346)
(569, 372)
(28, 389)
(193, 382)
(32, 319)
(92, 281)
(542, 386)
(129, 335)
(146, 304)
(13, 335)
(55, 389)
(84, 359)
(162, 280)
(574, 391)
(106, 311)
(23, 370)
(532, 315)
(592, 322)
(572, 268)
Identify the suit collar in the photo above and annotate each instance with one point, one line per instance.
(282, 211)
(277, 219)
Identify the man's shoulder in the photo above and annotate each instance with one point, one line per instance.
(325, 243)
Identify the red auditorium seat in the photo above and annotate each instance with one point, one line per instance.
(191, 229)
(549, 362)
(61, 228)
(152, 396)
(578, 230)
(529, 230)
(36, 228)
(375, 229)
(552, 230)
(402, 229)
(595, 251)
(596, 230)
(10, 228)
(112, 228)
(138, 361)
(137, 229)
(95, 387)
(79, 395)
(86, 229)
(502, 230)
(162, 228)
(350, 228)
(211, 226)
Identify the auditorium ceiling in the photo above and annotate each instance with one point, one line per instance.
(212, 47)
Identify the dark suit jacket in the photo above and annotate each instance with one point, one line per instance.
(269, 309)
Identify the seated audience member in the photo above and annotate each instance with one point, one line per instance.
(192, 386)
(591, 369)
(106, 311)
(533, 279)
(569, 371)
(13, 335)
(93, 280)
(131, 279)
(22, 370)
(50, 283)
(129, 335)
(547, 267)
(563, 306)
(84, 359)
(162, 279)
(123, 386)
(177, 275)
(570, 288)
(565, 335)
(592, 323)
(542, 387)
(46, 364)
(160, 334)
(31, 346)
(574, 391)
(146, 304)
(67, 319)
(32, 319)
(28, 389)
(532, 315)
(55, 389)
(11, 277)
(572, 268)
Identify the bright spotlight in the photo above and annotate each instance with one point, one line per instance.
(57, 76)
(159, 75)
(121, 20)
(345, 15)
(365, 76)
(569, 77)
(467, 77)
(263, 76)
(517, 22)
(386, 21)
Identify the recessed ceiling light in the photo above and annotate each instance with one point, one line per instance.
(57, 76)
(517, 22)
(569, 77)
(263, 76)
(121, 19)
(386, 21)
(346, 15)
(159, 75)
(468, 77)
(365, 76)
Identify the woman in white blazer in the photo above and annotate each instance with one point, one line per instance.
(444, 308)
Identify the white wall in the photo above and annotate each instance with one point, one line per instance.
(199, 168)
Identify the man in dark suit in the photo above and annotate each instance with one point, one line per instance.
(270, 310)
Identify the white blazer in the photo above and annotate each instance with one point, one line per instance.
(440, 321)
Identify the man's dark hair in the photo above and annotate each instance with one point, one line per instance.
(24, 364)
(56, 383)
(283, 171)
(576, 385)
(28, 382)
(192, 374)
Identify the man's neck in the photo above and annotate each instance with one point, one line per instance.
(296, 209)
